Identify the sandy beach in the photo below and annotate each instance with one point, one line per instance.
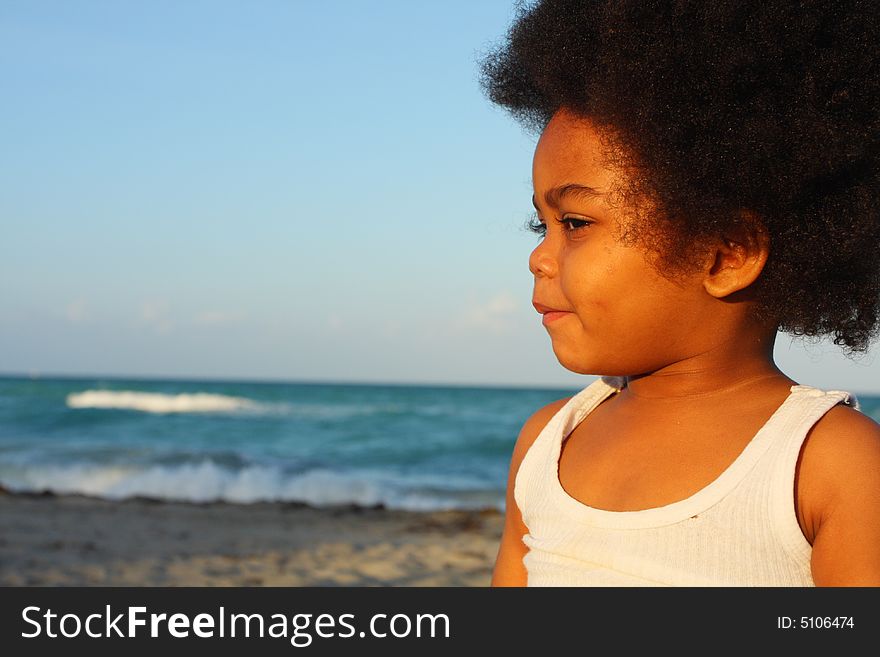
(49, 540)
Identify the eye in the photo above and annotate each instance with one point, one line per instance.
(573, 224)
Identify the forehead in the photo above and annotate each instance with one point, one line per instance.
(569, 151)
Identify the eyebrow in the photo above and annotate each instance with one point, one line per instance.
(553, 195)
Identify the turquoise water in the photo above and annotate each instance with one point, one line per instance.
(407, 447)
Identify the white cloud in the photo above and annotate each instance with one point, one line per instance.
(77, 312)
(494, 315)
(154, 313)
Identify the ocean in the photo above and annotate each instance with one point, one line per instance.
(420, 448)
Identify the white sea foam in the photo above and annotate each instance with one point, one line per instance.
(203, 402)
(154, 402)
(207, 482)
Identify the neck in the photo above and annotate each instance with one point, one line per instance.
(726, 366)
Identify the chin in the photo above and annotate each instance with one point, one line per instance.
(596, 364)
(579, 364)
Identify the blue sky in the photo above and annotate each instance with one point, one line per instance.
(274, 190)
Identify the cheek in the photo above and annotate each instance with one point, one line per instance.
(606, 281)
(626, 294)
(659, 315)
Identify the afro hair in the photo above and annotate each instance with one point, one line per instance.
(764, 108)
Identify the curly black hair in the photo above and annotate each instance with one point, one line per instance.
(727, 109)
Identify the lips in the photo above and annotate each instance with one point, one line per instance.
(550, 314)
(543, 309)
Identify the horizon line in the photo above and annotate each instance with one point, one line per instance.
(326, 382)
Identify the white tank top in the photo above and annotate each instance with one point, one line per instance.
(740, 530)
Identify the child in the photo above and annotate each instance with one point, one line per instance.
(706, 174)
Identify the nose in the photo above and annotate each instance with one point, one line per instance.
(542, 262)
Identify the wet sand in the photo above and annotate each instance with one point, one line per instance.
(49, 540)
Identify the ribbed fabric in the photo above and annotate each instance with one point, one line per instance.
(740, 530)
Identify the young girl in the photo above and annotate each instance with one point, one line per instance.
(706, 175)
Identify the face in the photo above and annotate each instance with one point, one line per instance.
(622, 316)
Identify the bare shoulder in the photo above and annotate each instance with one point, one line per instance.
(843, 443)
(840, 487)
(509, 569)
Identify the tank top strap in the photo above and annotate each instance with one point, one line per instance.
(579, 406)
(803, 408)
(806, 407)
(538, 471)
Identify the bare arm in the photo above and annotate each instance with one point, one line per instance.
(509, 569)
(841, 462)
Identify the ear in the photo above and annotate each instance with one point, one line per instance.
(737, 258)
